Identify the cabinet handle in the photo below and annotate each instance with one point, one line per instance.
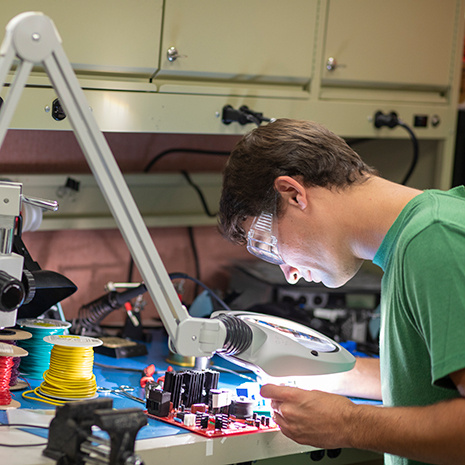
(172, 54)
(332, 64)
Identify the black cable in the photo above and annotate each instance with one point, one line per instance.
(391, 120)
(200, 194)
(198, 151)
(21, 425)
(131, 269)
(112, 367)
(200, 283)
(190, 231)
(186, 175)
(414, 140)
(195, 186)
(90, 315)
(40, 444)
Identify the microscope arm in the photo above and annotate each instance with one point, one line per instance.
(33, 39)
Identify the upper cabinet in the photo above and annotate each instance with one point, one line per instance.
(174, 65)
(402, 44)
(240, 41)
(356, 43)
(115, 37)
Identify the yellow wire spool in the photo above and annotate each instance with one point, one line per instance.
(70, 376)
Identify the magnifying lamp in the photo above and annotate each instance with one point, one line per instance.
(269, 344)
(283, 348)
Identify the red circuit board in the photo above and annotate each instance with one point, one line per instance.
(235, 427)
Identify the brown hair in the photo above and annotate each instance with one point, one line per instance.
(284, 147)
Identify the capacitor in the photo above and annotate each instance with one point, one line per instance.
(242, 407)
(198, 408)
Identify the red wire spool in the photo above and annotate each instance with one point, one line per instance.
(10, 336)
(7, 353)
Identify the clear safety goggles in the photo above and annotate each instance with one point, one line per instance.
(262, 239)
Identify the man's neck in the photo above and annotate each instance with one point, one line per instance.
(375, 205)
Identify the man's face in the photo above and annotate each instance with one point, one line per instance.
(318, 253)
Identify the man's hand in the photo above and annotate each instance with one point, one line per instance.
(433, 433)
(314, 418)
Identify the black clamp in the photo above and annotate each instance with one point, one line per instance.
(72, 442)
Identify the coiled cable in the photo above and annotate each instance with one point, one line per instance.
(6, 364)
(38, 360)
(90, 315)
(7, 354)
(69, 378)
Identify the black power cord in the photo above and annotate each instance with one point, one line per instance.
(190, 231)
(185, 150)
(223, 304)
(22, 425)
(244, 115)
(187, 177)
(391, 120)
(185, 174)
(199, 193)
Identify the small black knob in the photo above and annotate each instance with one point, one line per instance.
(29, 284)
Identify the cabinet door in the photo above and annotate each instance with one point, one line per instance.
(390, 43)
(110, 36)
(241, 40)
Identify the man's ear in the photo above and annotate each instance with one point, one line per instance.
(292, 191)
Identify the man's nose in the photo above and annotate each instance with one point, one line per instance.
(291, 274)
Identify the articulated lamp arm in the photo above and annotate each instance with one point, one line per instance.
(33, 39)
(259, 342)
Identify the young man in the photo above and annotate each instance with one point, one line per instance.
(329, 213)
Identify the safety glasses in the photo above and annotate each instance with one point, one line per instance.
(262, 239)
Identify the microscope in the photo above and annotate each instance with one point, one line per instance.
(25, 289)
(12, 290)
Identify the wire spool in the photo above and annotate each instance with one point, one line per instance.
(38, 360)
(70, 376)
(10, 336)
(7, 353)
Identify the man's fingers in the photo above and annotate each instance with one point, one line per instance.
(272, 391)
(276, 406)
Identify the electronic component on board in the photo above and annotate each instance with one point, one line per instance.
(192, 400)
(158, 402)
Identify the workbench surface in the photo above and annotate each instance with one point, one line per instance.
(159, 441)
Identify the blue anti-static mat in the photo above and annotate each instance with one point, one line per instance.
(153, 429)
(111, 378)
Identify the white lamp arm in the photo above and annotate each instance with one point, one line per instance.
(33, 39)
(276, 346)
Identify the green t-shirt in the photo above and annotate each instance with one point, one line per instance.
(423, 301)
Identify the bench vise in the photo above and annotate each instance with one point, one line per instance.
(72, 440)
